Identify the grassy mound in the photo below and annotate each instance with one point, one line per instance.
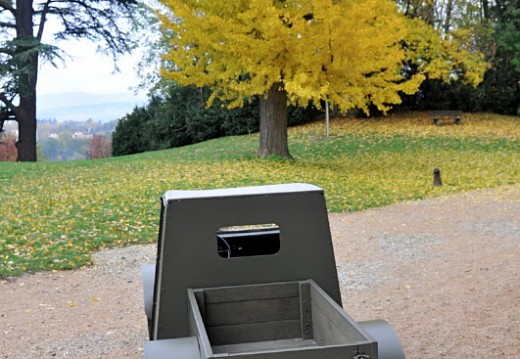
(55, 215)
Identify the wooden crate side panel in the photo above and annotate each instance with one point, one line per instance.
(369, 349)
(336, 352)
(306, 311)
(196, 326)
(268, 345)
(252, 311)
(254, 332)
(244, 314)
(201, 301)
(331, 325)
(240, 293)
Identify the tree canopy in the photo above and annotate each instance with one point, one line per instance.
(353, 53)
(489, 27)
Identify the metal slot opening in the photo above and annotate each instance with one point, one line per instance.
(249, 240)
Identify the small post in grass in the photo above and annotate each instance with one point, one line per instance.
(327, 122)
(437, 177)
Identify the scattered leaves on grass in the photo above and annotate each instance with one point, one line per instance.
(55, 215)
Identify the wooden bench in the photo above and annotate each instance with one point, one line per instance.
(438, 117)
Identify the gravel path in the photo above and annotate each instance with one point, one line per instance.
(445, 273)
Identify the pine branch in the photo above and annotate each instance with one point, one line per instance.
(8, 103)
(7, 25)
(7, 51)
(43, 18)
(8, 5)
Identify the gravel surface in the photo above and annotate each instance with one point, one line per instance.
(444, 272)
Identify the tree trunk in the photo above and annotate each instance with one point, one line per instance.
(448, 20)
(273, 123)
(485, 10)
(26, 111)
(429, 13)
(26, 119)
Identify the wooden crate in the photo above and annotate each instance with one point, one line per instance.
(282, 320)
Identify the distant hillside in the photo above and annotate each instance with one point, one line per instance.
(85, 106)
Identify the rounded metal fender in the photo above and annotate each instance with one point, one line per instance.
(148, 278)
(388, 345)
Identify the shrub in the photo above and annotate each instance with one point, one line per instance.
(180, 117)
(99, 147)
(8, 151)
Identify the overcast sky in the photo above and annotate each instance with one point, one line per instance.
(88, 71)
(85, 70)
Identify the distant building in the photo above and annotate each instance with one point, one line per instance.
(54, 136)
(78, 135)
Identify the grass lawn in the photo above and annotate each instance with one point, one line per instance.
(55, 215)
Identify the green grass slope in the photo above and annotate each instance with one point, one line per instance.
(55, 215)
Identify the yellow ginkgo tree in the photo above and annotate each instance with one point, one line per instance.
(350, 53)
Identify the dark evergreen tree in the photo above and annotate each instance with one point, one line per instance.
(179, 116)
(502, 83)
(22, 25)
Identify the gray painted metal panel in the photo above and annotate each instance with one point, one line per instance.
(387, 340)
(179, 348)
(148, 277)
(178, 195)
(296, 288)
(188, 258)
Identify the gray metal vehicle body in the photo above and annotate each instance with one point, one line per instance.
(250, 273)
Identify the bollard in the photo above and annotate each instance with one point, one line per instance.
(437, 177)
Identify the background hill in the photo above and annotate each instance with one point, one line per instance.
(82, 106)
